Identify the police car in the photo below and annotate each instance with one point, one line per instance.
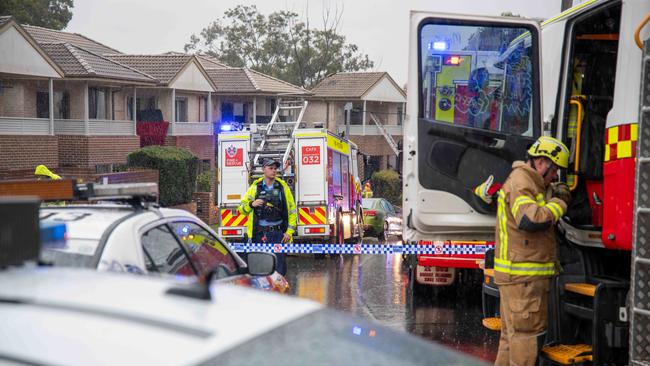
(139, 237)
(73, 316)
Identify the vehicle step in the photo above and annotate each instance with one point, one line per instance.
(492, 323)
(586, 289)
(568, 354)
(579, 311)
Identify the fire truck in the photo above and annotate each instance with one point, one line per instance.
(320, 167)
(595, 96)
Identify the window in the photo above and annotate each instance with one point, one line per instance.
(207, 252)
(479, 77)
(181, 109)
(164, 253)
(97, 106)
(61, 104)
(387, 206)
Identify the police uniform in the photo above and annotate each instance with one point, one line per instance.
(525, 253)
(276, 217)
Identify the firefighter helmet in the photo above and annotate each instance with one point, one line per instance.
(551, 148)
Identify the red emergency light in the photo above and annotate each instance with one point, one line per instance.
(315, 230)
(230, 232)
(452, 60)
(370, 213)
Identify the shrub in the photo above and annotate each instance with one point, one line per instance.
(177, 168)
(387, 184)
(204, 181)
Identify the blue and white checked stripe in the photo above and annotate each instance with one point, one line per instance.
(447, 249)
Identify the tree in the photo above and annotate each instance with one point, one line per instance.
(54, 14)
(280, 45)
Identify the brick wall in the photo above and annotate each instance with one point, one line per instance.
(201, 146)
(205, 208)
(83, 151)
(26, 152)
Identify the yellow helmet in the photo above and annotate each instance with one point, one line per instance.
(43, 170)
(551, 148)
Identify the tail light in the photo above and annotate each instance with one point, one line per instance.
(370, 213)
(231, 232)
(315, 230)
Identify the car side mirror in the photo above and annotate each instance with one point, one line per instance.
(261, 264)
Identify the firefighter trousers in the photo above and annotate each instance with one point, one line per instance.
(524, 317)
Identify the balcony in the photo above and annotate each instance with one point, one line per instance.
(372, 130)
(24, 126)
(191, 129)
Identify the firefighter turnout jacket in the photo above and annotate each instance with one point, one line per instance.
(287, 212)
(525, 247)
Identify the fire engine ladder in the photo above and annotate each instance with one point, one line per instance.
(277, 138)
(391, 141)
(640, 281)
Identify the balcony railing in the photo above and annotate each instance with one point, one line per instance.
(96, 127)
(191, 129)
(372, 130)
(24, 126)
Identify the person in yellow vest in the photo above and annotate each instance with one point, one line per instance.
(367, 191)
(43, 171)
(528, 207)
(271, 210)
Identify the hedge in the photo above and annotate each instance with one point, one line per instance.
(177, 168)
(387, 184)
(204, 181)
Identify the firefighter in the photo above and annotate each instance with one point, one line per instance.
(271, 210)
(367, 191)
(43, 171)
(528, 206)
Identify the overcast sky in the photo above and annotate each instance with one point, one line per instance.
(378, 27)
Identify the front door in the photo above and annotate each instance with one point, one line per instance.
(473, 109)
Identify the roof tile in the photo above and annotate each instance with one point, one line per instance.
(45, 35)
(347, 84)
(244, 80)
(162, 67)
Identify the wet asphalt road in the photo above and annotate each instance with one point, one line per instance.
(376, 287)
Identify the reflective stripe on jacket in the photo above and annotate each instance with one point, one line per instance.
(246, 209)
(525, 233)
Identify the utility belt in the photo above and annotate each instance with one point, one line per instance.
(266, 229)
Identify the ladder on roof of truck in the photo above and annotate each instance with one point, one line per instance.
(639, 309)
(276, 140)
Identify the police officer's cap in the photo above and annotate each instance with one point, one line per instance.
(269, 162)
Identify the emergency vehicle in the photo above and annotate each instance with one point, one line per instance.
(320, 167)
(587, 83)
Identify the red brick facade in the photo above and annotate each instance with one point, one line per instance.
(205, 208)
(201, 146)
(84, 151)
(26, 152)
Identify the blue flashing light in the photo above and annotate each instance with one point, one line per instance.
(440, 46)
(226, 127)
(357, 330)
(53, 234)
(185, 229)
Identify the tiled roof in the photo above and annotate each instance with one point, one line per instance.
(44, 35)
(209, 62)
(243, 80)
(78, 62)
(347, 84)
(162, 67)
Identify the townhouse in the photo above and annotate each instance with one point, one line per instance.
(369, 107)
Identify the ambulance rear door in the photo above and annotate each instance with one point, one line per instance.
(473, 108)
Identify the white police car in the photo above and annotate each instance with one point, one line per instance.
(142, 238)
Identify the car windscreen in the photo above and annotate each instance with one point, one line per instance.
(368, 203)
(84, 229)
(329, 337)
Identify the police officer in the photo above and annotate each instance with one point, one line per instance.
(528, 207)
(271, 210)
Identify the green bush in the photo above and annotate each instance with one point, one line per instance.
(204, 181)
(177, 168)
(387, 184)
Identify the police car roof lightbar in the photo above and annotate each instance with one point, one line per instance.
(69, 190)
